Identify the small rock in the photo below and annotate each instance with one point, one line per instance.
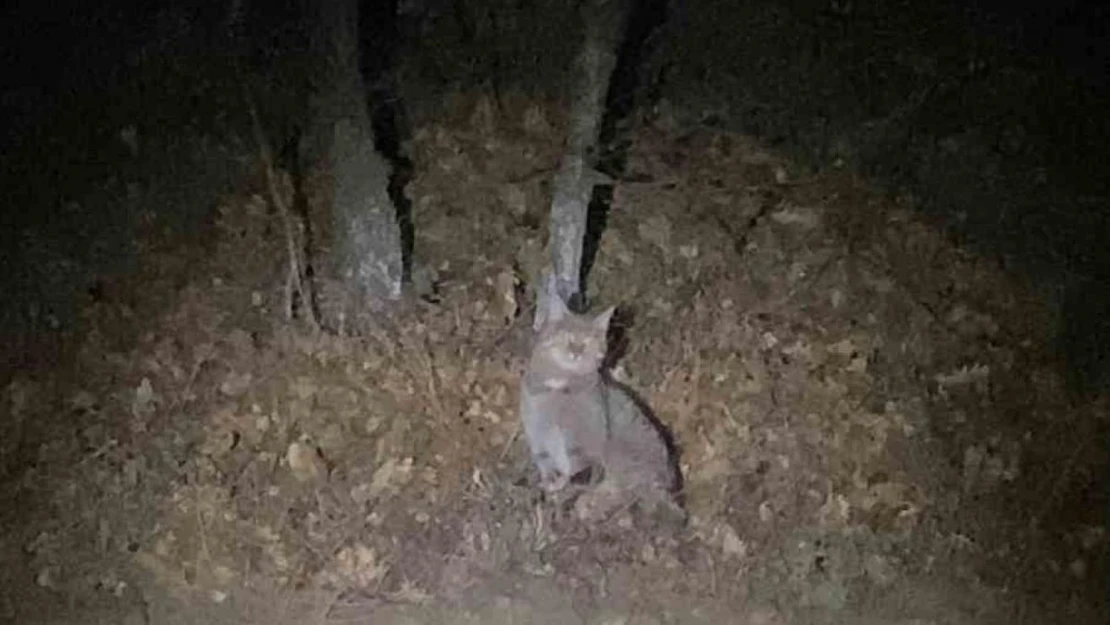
(305, 462)
(143, 401)
(731, 544)
(45, 578)
(765, 512)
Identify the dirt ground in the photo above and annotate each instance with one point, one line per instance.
(873, 425)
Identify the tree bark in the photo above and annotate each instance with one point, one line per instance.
(574, 183)
(366, 244)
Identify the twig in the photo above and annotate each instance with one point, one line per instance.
(509, 445)
(296, 280)
(433, 388)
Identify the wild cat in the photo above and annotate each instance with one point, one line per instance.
(577, 419)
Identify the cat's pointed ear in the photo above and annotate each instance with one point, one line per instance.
(601, 322)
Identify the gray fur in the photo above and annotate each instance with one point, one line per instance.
(575, 418)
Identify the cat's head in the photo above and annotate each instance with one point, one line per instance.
(574, 343)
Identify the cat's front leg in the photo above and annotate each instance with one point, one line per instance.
(549, 454)
(553, 481)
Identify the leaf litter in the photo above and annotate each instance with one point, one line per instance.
(871, 422)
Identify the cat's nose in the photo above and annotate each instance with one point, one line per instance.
(575, 349)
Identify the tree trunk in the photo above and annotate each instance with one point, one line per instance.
(574, 183)
(366, 239)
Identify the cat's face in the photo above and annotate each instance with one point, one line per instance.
(573, 349)
(575, 343)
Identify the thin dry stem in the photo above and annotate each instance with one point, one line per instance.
(296, 266)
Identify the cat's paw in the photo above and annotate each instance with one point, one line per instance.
(554, 482)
